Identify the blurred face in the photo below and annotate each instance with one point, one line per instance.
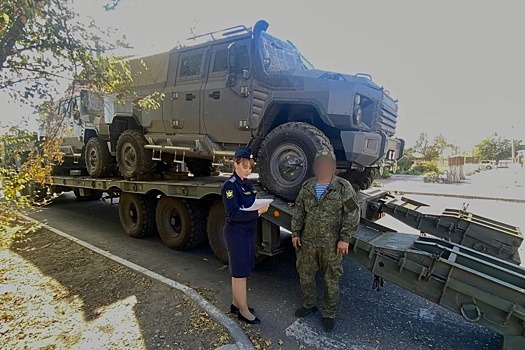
(324, 167)
(243, 167)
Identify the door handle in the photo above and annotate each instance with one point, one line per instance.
(215, 95)
(190, 97)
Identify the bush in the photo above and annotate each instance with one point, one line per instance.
(426, 167)
(387, 173)
(404, 164)
(432, 177)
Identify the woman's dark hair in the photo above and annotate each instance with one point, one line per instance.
(251, 162)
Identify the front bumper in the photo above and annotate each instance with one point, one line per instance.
(370, 148)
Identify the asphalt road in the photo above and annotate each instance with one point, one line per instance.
(392, 319)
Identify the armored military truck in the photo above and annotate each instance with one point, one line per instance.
(243, 86)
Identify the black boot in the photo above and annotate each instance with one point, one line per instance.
(328, 324)
(303, 311)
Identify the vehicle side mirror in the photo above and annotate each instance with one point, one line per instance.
(232, 50)
(232, 65)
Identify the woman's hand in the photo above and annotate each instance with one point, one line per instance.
(263, 210)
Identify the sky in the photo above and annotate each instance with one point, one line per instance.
(456, 67)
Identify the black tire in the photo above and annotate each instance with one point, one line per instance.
(199, 167)
(181, 222)
(360, 180)
(215, 230)
(37, 194)
(132, 158)
(97, 157)
(93, 195)
(290, 143)
(137, 214)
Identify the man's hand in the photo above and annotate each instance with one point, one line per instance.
(296, 242)
(263, 210)
(342, 248)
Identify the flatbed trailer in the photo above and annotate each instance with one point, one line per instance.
(470, 264)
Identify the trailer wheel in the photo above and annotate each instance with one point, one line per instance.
(199, 167)
(132, 158)
(215, 230)
(181, 222)
(92, 196)
(137, 214)
(360, 180)
(286, 157)
(97, 157)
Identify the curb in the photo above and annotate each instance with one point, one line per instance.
(241, 340)
(465, 196)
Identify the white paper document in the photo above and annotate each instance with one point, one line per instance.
(258, 204)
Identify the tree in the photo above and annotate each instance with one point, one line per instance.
(431, 151)
(44, 43)
(495, 148)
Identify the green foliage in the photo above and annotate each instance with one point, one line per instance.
(432, 177)
(495, 148)
(426, 167)
(431, 150)
(404, 164)
(387, 174)
(44, 43)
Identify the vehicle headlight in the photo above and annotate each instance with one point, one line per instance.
(358, 114)
(357, 99)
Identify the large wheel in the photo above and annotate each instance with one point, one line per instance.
(199, 167)
(137, 214)
(286, 157)
(181, 222)
(360, 180)
(215, 230)
(132, 158)
(97, 156)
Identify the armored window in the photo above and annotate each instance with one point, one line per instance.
(191, 65)
(242, 58)
(220, 62)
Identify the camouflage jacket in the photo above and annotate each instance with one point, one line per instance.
(324, 222)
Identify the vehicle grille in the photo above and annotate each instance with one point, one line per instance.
(386, 120)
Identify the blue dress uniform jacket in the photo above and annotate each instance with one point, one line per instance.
(240, 227)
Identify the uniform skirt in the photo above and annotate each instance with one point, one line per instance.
(240, 243)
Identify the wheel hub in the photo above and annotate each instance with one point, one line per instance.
(175, 222)
(93, 158)
(133, 213)
(129, 155)
(289, 164)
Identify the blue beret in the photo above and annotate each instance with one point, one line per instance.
(244, 152)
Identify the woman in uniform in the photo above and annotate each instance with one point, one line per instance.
(239, 231)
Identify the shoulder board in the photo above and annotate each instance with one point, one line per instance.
(232, 179)
(308, 182)
(344, 182)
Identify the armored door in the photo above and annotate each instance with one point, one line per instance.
(227, 96)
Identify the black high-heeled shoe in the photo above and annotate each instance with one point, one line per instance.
(235, 310)
(244, 319)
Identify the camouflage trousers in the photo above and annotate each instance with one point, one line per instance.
(311, 259)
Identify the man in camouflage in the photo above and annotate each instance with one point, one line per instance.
(326, 216)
